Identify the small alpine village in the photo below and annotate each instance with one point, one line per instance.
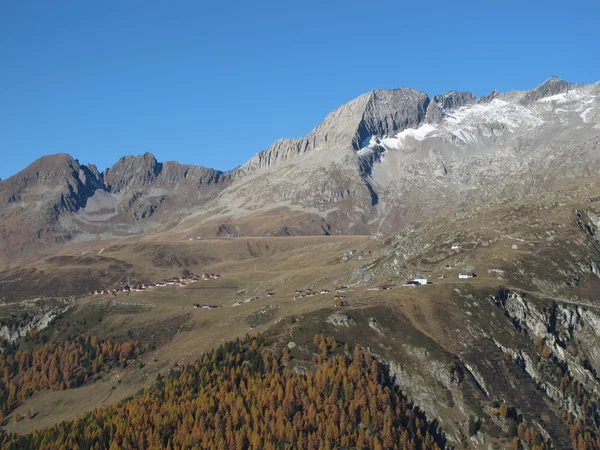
(340, 299)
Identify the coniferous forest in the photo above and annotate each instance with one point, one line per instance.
(242, 397)
(67, 365)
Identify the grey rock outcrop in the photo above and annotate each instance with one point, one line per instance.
(589, 222)
(341, 320)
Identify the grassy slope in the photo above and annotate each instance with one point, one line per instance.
(447, 320)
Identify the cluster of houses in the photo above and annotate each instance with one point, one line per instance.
(11, 281)
(420, 280)
(383, 287)
(134, 305)
(299, 293)
(251, 299)
(112, 292)
(246, 300)
(174, 281)
(309, 293)
(198, 305)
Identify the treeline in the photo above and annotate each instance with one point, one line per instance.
(57, 367)
(238, 397)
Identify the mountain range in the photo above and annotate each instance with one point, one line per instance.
(374, 165)
(494, 201)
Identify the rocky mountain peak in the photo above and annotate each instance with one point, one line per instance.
(488, 98)
(552, 86)
(131, 171)
(378, 112)
(440, 104)
(59, 179)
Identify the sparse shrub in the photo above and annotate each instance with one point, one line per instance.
(502, 293)
(285, 355)
(513, 428)
(474, 425)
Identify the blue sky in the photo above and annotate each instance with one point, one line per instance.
(212, 83)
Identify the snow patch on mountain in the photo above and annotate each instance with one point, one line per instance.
(401, 138)
(586, 115)
(565, 97)
(465, 123)
(558, 98)
(398, 140)
(497, 112)
(369, 146)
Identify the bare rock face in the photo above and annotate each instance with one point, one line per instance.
(589, 222)
(173, 172)
(443, 104)
(389, 112)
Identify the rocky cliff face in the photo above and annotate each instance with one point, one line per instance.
(441, 105)
(552, 86)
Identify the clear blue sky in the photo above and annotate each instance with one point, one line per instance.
(213, 82)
